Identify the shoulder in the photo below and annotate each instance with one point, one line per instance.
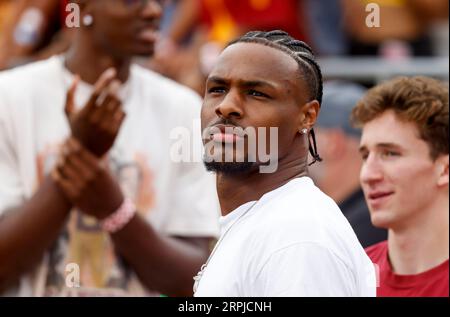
(300, 204)
(21, 86)
(302, 214)
(24, 86)
(30, 73)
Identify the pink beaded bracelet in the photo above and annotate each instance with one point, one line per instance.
(120, 217)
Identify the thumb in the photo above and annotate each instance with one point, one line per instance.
(70, 97)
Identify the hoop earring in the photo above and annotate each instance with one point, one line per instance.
(88, 20)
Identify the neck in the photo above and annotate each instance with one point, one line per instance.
(89, 61)
(421, 245)
(236, 190)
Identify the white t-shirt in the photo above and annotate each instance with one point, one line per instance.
(176, 198)
(293, 242)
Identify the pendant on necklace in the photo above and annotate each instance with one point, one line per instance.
(198, 277)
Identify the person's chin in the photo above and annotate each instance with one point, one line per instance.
(381, 219)
(229, 168)
(144, 53)
(144, 50)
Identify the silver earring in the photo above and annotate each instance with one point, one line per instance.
(88, 20)
(304, 131)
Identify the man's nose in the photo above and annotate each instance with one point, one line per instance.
(152, 9)
(230, 106)
(371, 170)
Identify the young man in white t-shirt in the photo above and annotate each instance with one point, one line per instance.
(281, 236)
(52, 244)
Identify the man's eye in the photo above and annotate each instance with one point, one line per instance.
(389, 154)
(364, 156)
(256, 93)
(216, 90)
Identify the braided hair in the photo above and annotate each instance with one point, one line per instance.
(304, 56)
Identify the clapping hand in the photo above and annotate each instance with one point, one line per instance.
(97, 124)
(86, 182)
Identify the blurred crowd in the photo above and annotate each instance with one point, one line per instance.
(193, 32)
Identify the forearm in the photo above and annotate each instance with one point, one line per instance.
(27, 231)
(165, 264)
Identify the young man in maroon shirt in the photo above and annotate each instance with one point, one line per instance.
(405, 179)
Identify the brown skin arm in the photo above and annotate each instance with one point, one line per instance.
(26, 232)
(164, 264)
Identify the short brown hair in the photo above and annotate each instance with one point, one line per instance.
(421, 100)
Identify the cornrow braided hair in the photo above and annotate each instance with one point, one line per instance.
(304, 56)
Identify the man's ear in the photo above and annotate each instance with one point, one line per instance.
(310, 113)
(442, 166)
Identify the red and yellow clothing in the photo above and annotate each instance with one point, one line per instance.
(228, 18)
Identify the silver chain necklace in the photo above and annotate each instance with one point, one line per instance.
(199, 275)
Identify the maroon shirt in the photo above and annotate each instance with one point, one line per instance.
(431, 283)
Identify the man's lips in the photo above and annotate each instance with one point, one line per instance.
(225, 133)
(377, 198)
(225, 138)
(148, 35)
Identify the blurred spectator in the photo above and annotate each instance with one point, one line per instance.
(325, 27)
(405, 177)
(404, 28)
(42, 228)
(338, 174)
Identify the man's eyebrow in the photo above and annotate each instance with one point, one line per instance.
(382, 146)
(242, 83)
(256, 83)
(217, 80)
(388, 145)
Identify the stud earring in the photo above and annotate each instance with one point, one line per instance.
(304, 131)
(88, 20)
